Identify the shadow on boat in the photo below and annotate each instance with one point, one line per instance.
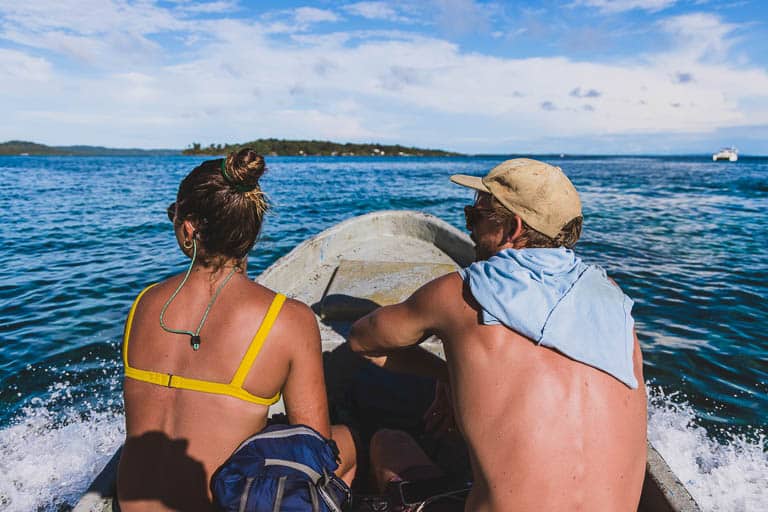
(186, 472)
(368, 398)
(346, 271)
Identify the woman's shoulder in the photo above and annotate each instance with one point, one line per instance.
(299, 313)
(291, 309)
(153, 292)
(295, 319)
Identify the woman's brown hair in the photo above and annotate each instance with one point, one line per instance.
(223, 200)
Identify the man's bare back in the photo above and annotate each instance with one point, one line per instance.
(544, 431)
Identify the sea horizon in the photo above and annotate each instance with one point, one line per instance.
(109, 151)
(704, 156)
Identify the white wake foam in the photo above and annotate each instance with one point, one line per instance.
(730, 477)
(47, 459)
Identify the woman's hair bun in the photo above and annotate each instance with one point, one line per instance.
(244, 168)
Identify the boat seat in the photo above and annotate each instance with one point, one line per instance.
(358, 287)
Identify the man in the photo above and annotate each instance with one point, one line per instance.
(543, 363)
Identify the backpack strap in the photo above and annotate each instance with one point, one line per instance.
(279, 494)
(298, 466)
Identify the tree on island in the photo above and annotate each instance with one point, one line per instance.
(281, 147)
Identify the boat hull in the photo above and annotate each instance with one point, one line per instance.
(381, 251)
(726, 154)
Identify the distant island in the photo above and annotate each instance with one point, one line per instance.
(21, 147)
(279, 147)
(267, 147)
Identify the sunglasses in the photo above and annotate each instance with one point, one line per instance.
(475, 214)
(172, 212)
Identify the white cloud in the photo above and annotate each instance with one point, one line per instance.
(23, 79)
(309, 15)
(297, 20)
(322, 124)
(376, 11)
(221, 7)
(116, 49)
(89, 17)
(239, 82)
(371, 10)
(463, 16)
(700, 35)
(616, 6)
(108, 33)
(19, 66)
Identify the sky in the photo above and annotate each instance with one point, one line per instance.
(478, 77)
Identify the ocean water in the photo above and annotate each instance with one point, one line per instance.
(685, 237)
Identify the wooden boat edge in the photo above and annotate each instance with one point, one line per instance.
(662, 490)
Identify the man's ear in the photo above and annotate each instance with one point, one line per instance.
(515, 230)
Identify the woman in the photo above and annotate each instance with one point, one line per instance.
(207, 351)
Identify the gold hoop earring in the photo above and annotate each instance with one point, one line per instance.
(188, 244)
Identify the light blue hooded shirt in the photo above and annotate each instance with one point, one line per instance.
(553, 298)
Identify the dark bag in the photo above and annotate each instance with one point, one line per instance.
(287, 468)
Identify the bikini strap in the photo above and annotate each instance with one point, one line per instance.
(129, 323)
(258, 340)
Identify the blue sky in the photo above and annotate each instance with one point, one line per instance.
(579, 76)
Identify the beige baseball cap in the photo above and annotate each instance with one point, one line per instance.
(541, 194)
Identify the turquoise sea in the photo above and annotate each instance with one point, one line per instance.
(686, 238)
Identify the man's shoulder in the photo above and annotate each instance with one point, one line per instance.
(450, 285)
(447, 298)
(437, 294)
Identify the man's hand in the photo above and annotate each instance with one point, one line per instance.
(439, 416)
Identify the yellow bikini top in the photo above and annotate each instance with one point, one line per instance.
(235, 386)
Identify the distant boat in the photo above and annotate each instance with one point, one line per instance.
(23, 154)
(731, 154)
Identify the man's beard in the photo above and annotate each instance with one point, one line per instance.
(483, 253)
(480, 253)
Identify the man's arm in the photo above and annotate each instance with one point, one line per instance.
(412, 360)
(387, 337)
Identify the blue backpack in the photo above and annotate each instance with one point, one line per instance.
(286, 468)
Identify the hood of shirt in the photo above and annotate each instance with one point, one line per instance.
(558, 301)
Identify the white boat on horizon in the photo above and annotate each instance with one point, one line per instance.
(731, 154)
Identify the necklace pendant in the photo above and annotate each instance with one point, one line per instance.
(195, 342)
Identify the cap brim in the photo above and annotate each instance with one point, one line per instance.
(474, 182)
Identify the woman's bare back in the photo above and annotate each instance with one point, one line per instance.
(176, 438)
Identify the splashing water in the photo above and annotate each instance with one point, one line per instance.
(48, 465)
(56, 446)
(48, 458)
(730, 476)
